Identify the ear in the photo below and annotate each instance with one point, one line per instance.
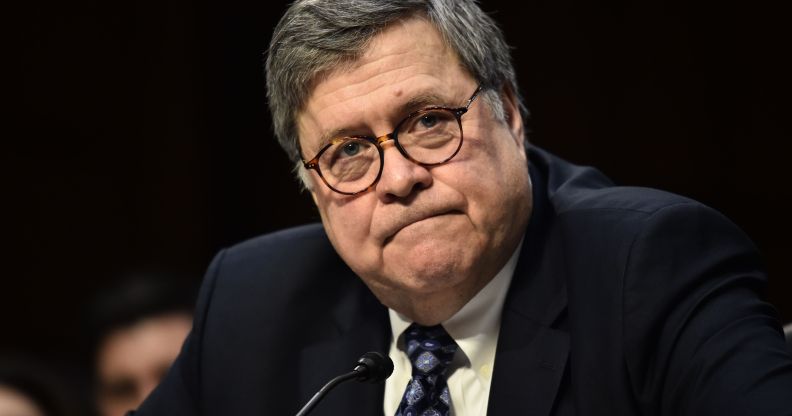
(309, 186)
(306, 180)
(511, 109)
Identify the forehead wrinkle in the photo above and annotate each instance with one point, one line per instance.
(365, 84)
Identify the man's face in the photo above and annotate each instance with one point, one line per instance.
(14, 403)
(133, 360)
(422, 230)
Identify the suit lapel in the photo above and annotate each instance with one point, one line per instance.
(529, 367)
(363, 326)
(532, 346)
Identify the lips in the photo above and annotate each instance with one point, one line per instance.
(413, 216)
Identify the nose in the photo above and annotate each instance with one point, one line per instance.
(400, 176)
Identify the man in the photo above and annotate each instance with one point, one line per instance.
(499, 278)
(138, 326)
(29, 388)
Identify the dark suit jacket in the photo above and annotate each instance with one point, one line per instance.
(624, 301)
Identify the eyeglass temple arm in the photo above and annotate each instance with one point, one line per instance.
(473, 97)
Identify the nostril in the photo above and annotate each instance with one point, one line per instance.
(406, 194)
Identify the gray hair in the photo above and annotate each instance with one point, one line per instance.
(315, 36)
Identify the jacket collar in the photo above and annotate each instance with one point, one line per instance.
(533, 346)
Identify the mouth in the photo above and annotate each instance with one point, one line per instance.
(416, 220)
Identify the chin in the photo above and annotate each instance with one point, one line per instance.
(430, 271)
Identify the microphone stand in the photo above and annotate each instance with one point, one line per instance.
(373, 367)
(327, 387)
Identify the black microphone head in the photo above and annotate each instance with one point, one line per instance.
(374, 367)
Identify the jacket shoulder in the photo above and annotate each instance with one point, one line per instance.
(293, 262)
(283, 242)
(622, 198)
(574, 188)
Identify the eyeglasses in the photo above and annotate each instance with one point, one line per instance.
(428, 137)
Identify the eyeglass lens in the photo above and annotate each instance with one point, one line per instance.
(428, 137)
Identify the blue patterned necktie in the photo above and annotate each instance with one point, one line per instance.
(431, 350)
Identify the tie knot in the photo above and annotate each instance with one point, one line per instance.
(430, 349)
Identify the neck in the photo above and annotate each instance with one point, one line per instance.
(431, 309)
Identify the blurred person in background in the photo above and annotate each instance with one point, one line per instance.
(28, 388)
(138, 328)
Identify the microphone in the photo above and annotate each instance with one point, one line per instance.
(372, 367)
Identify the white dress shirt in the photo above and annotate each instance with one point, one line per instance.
(475, 329)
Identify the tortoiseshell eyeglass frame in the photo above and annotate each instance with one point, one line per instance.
(377, 142)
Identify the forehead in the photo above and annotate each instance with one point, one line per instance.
(407, 63)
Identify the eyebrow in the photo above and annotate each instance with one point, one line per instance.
(418, 102)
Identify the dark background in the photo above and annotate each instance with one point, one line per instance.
(136, 135)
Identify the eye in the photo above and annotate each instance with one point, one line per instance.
(350, 148)
(428, 120)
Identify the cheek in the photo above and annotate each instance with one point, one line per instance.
(347, 222)
(493, 177)
(348, 228)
